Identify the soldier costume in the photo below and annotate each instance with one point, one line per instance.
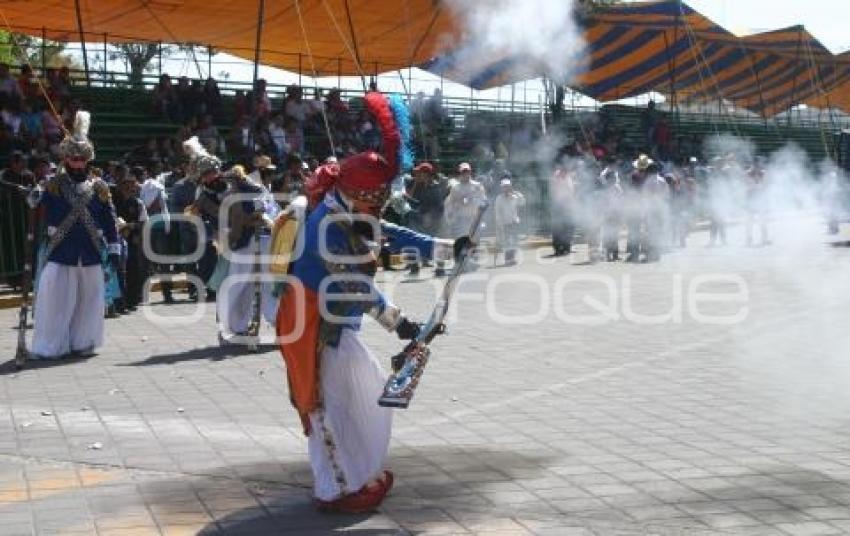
(79, 215)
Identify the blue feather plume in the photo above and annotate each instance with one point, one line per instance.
(402, 121)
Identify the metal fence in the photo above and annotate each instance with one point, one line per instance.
(13, 221)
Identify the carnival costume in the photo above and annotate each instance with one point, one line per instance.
(78, 212)
(334, 379)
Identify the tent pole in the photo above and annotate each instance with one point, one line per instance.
(511, 120)
(261, 8)
(673, 69)
(299, 69)
(209, 61)
(105, 56)
(794, 87)
(339, 72)
(82, 41)
(43, 52)
(159, 57)
(758, 83)
(354, 44)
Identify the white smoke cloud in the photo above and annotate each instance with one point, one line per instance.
(542, 35)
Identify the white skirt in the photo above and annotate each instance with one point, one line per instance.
(350, 433)
(235, 301)
(69, 310)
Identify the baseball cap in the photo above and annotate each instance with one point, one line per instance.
(464, 166)
(424, 167)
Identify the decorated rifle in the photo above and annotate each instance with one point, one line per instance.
(409, 365)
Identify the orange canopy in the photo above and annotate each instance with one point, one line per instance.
(376, 34)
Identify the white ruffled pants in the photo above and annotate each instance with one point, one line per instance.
(236, 297)
(69, 310)
(350, 433)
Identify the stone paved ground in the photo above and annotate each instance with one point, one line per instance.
(542, 427)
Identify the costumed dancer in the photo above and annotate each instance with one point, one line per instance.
(635, 208)
(562, 194)
(249, 217)
(79, 215)
(333, 377)
(210, 191)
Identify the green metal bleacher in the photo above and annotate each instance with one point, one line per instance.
(124, 119)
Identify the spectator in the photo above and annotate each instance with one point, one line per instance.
(240, 138)
(186, 131)
(69, 112)
(31, 122)
(41, 169)
(208, 134)
(277, 132)
(16, 172)
(166, 150)
(339, 116)
(26, 86)
(212, 97)
(506, 208)
(184, 98)
(462, 202)
(261, 102)
(50, 126)
(293, 178)
(368, 136)
(132, 217)
(240, 106)
(262, 142)
(165, 99)
(662, 139)
(263, 171)
(425, 194)
(648, 121)
(9, 143)
(144, 153)
(9, 88)
(197, 99)
(294, 136)
(65, 81)
(294, 105)
(11, 116)
(40, 149)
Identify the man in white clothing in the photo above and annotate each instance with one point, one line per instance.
(506, 208)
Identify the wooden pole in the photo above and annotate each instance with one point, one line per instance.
(105, 57)
(43, 52)
(82, 41)
(261, 8)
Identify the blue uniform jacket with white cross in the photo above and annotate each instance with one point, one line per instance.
(327, 256)
(78, 248)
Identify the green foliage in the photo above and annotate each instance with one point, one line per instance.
(16, 49)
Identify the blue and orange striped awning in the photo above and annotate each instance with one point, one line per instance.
(669, 48)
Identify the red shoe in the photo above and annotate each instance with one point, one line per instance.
(364, 501)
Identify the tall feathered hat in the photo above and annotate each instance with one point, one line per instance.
(77, 143)
(367, 176)
(200, 160)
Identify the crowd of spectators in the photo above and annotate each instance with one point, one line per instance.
(33, 110)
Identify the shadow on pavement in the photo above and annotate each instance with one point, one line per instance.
(9, 366)
(274, 498)
(211, 353)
